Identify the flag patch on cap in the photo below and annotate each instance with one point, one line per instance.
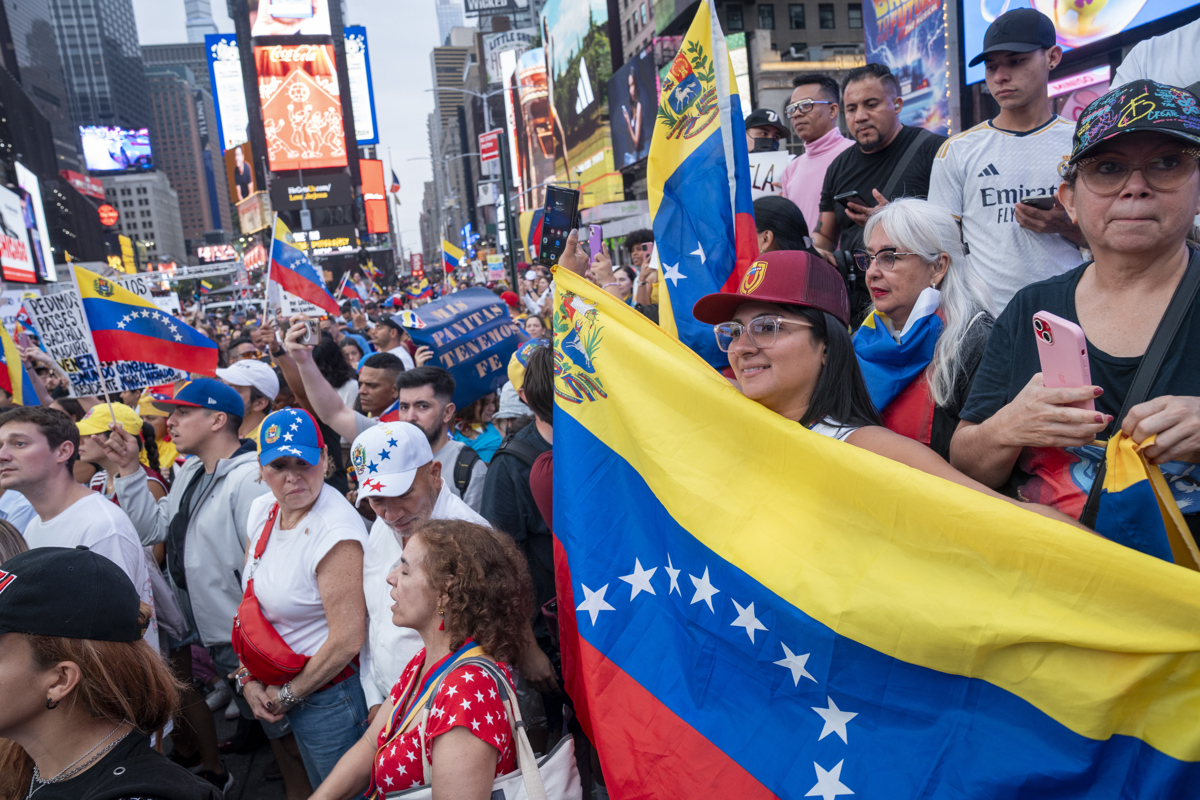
(753, 277)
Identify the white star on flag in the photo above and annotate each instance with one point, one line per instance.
(594, 602)
(704, 590)
(835, 720)
(829, 784)
(699, 251)
(639, 579)
(672, 274)
(178, 338)
(121, 324)
(674, 573)
(796, 664)
(747, 620)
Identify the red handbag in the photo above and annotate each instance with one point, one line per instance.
(259, 646)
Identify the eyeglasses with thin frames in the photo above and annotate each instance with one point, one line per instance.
(1107, 174)
(764, 331)
(804, 106)
(886, 259)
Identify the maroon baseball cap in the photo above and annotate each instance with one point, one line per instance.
(787, 277)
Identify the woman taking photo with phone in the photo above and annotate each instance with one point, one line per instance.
(1134, 191)
(302, 620)
(466, 590)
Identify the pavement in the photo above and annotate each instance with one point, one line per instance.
(247, 770)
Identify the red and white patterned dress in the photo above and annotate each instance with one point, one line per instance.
(466, 698)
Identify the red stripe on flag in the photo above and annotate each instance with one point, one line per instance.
(745, 236)
(304, 288)
(116, 345)
(646, 750)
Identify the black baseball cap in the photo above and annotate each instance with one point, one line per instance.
(1021, 30)
(73, 593)
(1126, 110)
(766, 118)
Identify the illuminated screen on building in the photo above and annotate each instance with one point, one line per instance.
(289, 17)
(301, 106)
(111, 149)
(374, 195)
(362, 92)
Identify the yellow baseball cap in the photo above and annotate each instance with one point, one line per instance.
(516, 364)
(98, 418)
(147, 408)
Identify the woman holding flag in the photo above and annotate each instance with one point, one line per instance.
(466, 590)
(921, 344)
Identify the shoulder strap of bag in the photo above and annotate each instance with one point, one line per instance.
(526, 760)
(909, 153)
(521, 450)
(1147, 371)
(462, 468)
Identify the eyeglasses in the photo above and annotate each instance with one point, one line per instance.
(246, 355)
(1107, 175)
(764, 331)
(804, 106)
(886, 259)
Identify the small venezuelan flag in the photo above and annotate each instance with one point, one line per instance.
(421, 290)
(205, 287)
(126, 327)
(14, 379)
(292, 270)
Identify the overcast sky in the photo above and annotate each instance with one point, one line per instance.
(400, 34)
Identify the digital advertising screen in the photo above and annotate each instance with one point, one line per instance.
(228, 90)
(910, 39)
(239, 173)
(632, 104)
(374, 194)
(362, 90)
(35, 222)
(301, 106)
(289, 17)
(109, 149)
(1076, 24)
(16, 257)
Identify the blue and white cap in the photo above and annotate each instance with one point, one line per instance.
(386, 458)
(290, 432)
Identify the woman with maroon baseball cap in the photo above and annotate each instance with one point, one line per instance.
(786, 330)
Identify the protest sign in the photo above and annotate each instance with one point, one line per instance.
(292, 305)
(766, 173)
(495, 263)
(61, 323)
(471, 336)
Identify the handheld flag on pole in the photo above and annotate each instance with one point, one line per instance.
(205, 287)
(348, 290)
(451, 256)
(295, 273)
(698, 178)
(14, 378)
(126, 327)
(771, 613)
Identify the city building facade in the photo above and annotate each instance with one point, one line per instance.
(149, 209)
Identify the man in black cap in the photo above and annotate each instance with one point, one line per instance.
(999, 178)
(763, 123)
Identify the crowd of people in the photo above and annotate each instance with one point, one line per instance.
(319, 544)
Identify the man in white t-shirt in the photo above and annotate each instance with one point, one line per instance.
(38, 449)
(987, 176)
(388, 337)
(399, 477)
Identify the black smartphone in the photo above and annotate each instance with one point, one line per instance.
(557, 220)
(847, 197)
(1045, 203)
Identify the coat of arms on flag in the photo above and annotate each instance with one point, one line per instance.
(691, 93)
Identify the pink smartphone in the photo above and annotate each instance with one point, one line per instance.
(595, 238)
(1062, 351)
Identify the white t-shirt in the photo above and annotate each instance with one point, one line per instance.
(389, 648)
(348, 391)
(402, 354)
(979, 175)
(1169, 59)
(285, 580)
(102, 527)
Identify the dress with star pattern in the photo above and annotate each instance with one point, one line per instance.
(467, 698)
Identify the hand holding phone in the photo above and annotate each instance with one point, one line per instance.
(595, 239)
(1062, 352)
(845, 198)
(310, 335)
(557, 221)
(1045, 203)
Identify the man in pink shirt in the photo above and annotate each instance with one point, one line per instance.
(813, 111)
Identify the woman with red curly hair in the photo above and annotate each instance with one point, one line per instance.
(466, 590)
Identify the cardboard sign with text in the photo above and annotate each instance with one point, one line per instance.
(473, 337)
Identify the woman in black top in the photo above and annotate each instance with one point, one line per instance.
(80, 691)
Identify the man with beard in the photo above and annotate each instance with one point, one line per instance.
(402, 481)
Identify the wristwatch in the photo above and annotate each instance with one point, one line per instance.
(286, 698)
(243, 677)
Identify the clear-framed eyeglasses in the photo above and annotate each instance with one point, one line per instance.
(885, 258)
(763, 331)
(804, 106)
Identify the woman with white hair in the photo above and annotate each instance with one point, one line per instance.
(921, 344)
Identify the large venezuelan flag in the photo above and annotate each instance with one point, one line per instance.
(14, 378)
(126, 327)
(766, 612)
(293, 271)
(699, 183)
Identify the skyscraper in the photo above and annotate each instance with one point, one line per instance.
(33, 61)
(449, 16)
(187, 54)
(199, 19)
(187, 151)
(102, 63)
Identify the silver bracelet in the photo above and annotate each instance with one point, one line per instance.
(614, 283)
(286, 698)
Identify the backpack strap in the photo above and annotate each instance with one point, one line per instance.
(519, 449)
(909, 153)
(462, 469)
(1148, 369)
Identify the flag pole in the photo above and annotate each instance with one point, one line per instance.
(92, 342)
(270, 260)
